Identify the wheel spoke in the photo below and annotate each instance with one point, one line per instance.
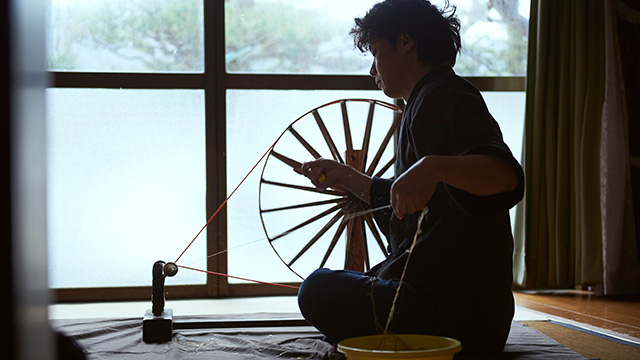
(318, 236)
(367, 136)
(334, 241)
(376, 234)
(294, 164)
(309, 221)
(299, 206)
(304, 143)
(327, 138)
(385, 167)
(347, 128)
(305, 188)
(384, 144)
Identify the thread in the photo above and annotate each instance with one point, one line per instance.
(240, 278)
(364, 212)
(227, 199)
(227, 250)
(373, 304)
(423, 214)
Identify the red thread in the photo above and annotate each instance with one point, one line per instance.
(240, 278)
(225, 201)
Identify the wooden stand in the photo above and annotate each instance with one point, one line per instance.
(157, 324)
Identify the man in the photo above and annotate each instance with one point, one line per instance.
(450, 158)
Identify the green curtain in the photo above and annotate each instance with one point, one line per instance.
(558, 241)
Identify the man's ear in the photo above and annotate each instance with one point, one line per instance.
(406, 42)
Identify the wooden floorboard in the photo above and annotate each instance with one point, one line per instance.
(585, 344)
(618, 314)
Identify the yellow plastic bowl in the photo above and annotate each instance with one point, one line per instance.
(395, 347)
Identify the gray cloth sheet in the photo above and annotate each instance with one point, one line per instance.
(122, 339)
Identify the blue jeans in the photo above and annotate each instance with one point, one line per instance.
(343, 304)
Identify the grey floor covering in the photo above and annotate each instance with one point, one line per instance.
(122, 339)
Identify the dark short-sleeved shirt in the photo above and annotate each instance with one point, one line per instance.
(462, 261)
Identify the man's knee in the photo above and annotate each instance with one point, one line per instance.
(312, 289)
(316, 279)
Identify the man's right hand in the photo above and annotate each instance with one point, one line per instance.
(325, 173)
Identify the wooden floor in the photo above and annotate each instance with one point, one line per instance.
(617, 314)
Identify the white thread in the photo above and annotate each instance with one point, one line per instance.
(410, 251)
(354, 215)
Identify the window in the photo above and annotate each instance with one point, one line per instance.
(158, 108)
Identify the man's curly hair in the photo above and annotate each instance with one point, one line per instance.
(435, 31)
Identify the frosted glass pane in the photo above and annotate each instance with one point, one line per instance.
(125, 183)
(508, 110)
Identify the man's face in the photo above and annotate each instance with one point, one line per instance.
(386, 67)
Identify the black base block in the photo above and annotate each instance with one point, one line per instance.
(157, 329)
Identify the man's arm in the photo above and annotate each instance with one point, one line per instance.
(479, 174)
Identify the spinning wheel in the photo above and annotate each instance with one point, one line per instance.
(304, 225)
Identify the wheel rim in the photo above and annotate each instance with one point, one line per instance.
(307, 227)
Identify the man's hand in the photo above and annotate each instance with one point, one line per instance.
(322, 173)
(325, 173)
(413, 189)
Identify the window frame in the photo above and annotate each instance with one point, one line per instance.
(215, 81)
